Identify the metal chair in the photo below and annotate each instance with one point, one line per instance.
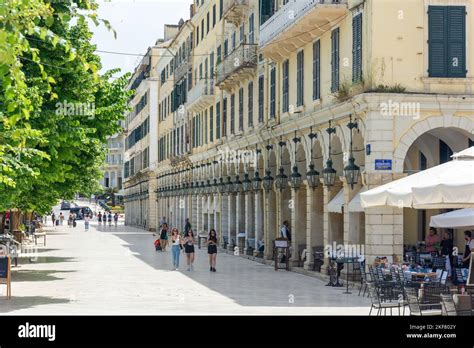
(364, 282)
(448, 305)
(417, 308)
(432, 294)
(378, 303)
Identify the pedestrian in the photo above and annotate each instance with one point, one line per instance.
(189, 249)
(86, 221)
(164, 236)
(99, 218)
(447, 251)
(116, 219)
(61, 218)
(432, 241)
(69, 221)
(285, 233)
(175, 247)
(212, 249)
(468, 249)
(53, 218)
(162, 221)
(104, 218)
(187, 227)
(109, 218)
(74, 222)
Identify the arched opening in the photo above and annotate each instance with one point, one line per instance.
(298, 207)
(336, 216)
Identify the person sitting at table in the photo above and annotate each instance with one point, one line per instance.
(466, 258)
(432, 240)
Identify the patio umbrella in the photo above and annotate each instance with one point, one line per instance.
(462, 218)
(448, 185)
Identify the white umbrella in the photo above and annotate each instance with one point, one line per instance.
(462, 218)
(448, 185)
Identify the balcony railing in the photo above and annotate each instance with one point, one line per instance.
(201, 95)
(242, 61)
(300, 21)
(234, 10)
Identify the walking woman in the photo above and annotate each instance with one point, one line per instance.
(99, 218)
(189, 249)
(175, 247)
(164, 236)
(212, 249)
(86, 222)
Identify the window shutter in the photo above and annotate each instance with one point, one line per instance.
(335, 60)
(456, 33)
(357, 48)
(316, 69)
(437, 26)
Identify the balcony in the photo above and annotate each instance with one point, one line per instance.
(201, 95)
(235, 10)
(298, 23)
(237, 66)
(182, 70)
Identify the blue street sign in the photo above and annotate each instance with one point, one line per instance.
(383, 164)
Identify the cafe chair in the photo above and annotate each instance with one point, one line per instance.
(449, 308)
(378, 303)
(417, 308)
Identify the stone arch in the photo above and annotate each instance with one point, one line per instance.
(423, 126)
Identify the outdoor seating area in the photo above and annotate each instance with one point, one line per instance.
(424, 290)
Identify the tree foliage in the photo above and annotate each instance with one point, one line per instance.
(56, 111)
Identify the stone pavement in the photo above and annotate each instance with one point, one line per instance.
(110, 270)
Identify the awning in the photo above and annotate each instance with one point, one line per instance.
(462, 218)
(355, 205)
(335, 206)
(448, 185)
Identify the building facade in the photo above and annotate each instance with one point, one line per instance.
(113, 168)
(290, 109)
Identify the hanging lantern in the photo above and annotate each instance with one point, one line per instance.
(329, 174)
(229, 186)
(295, 178)
(312, 176)
(281, 181)
(221, 187)
(247, 183)
(237, 185)
(256, 182)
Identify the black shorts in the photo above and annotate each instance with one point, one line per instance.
(212, 249)
(189, 249)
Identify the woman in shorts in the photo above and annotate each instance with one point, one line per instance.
(212, 249)
(189, 249)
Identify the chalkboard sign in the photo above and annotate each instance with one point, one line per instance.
(4, 267)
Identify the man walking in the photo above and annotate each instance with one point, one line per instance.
(285, 233)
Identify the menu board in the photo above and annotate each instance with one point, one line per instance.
(4, 267)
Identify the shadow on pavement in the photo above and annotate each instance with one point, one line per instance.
(45, 259)
(26, 302)
(36, 275)
(247, 282)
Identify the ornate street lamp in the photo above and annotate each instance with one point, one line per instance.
(295, 178)
(329, 173)
(246, 183)
(237, 184)
(312, 176)
(222, 185)
(268, 179)
(281, 181)
(215, 186)
(351, 171)
(202, 189)
(209, 187)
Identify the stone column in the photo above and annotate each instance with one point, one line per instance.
(232, 219)
(298, 222)
(271, 226)
(259, 217)
(249, 218)
(198, 214)
(315, 222)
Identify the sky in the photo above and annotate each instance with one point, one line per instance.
(138, 23)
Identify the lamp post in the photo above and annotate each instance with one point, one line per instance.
(329, 173)
(237, 184)
(268, 179)
(351, 171)
(281, 181)
(312, 176)
(295, 178)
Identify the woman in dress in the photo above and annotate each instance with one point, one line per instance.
(212, 249)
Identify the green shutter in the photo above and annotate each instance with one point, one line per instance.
(357, 48)
(437, 26)
(335, 60)
(456, 60)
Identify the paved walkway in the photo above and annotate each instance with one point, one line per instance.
(110, 270)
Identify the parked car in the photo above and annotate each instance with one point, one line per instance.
(80, 211)
(65, 205)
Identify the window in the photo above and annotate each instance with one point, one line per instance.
(300, 78)
(335, 60)
(211, 75)
(194, 132)
(261, 83)
(272, 92)
(200, 71)
(250, 104)
(286, 86)
(226, 47)
(214, 14)
(242, 33)
(219, 54)
(205, 127)
(224, 118)
(221, 9)
(211, 124)
(317, 70)
(357, 48)
(206, 69)
(447, 41)
(208, 23)
(232, 114)
(202, 30)
(197, 35)
(234, 40)
(241, 109)
(251, 29)
(218, 121)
